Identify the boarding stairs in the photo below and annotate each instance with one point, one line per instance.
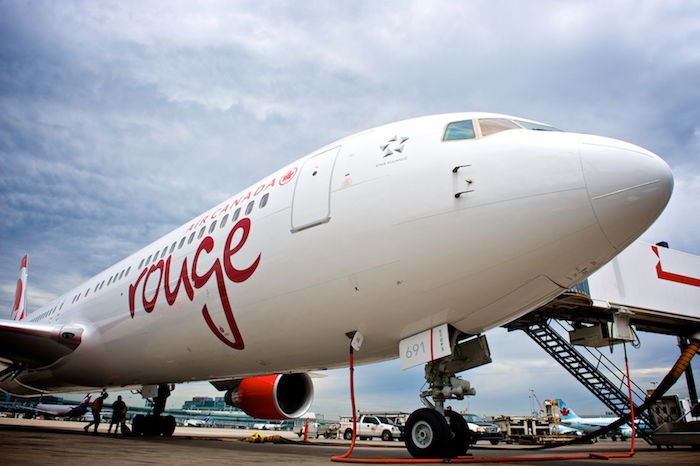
(592, 374)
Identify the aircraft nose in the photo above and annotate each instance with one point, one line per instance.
(628, 186)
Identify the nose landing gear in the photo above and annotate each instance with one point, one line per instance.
(436, 431)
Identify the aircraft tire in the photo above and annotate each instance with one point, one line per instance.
(427, 434)
(151, 427)
(461, 438)
(137, 424)
(167, 425)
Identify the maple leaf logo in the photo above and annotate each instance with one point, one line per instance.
(288, 176)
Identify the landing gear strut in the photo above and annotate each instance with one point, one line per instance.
(436, 431)
(155, 424)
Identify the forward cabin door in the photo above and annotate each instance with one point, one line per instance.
(311, 205)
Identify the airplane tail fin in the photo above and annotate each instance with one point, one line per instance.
(19, 305)
(564, 411)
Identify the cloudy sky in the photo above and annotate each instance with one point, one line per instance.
(121, 120)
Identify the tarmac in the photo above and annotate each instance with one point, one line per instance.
(24, 441)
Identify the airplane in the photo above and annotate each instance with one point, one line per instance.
(52, 410)
(195, 422)
(569, 419)
(69, 411)
(447, 225)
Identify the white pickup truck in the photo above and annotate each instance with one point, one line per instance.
(369, 426)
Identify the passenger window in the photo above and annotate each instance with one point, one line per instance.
(189, 241)
(148, 261)
(127, 271)
(141, 263)
(61, 306)
(459, 130)
(201, 232)
(236, 214)
(115, 277)
(87, 291)
(101, 285)
(249, 207)
(96, 286)
(211, 228)
(172, 248)
(155, 257)
(223, 221)
(182, 242)
(121, 275)
(263, 201)
(165, 251)
(491, 126)
(109, 281)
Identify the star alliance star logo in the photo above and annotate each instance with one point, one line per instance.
(395, 144)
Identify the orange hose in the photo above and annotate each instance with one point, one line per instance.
(344, 457)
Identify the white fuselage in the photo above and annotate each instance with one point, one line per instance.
(351, 239)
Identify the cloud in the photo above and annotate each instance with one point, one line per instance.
(121, 120)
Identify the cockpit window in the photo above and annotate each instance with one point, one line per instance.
(459, 130)
(491, 126)
(536, 126)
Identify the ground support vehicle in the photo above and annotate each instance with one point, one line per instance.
(316, 429)
(369, 427)
(481, 429)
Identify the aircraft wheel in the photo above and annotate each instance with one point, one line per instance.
(348, 434)
(427, 434)
(137, 424)
(151, 426)
(461, 437)
(167, 425)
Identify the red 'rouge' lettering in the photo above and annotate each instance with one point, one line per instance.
(148, 305)
(233, 274)
(198, 281)
(132, 291)
(170, 296)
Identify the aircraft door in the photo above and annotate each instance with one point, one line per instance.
(311, 205)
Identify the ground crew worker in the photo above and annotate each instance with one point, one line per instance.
(118, 416)
(96, 409)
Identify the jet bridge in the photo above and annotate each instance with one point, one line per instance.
(648, 288)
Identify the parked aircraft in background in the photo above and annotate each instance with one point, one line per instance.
(69, 411)
(194, 422)
(442, 226)
(569, 419)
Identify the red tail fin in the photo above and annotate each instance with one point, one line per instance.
(20, 304)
